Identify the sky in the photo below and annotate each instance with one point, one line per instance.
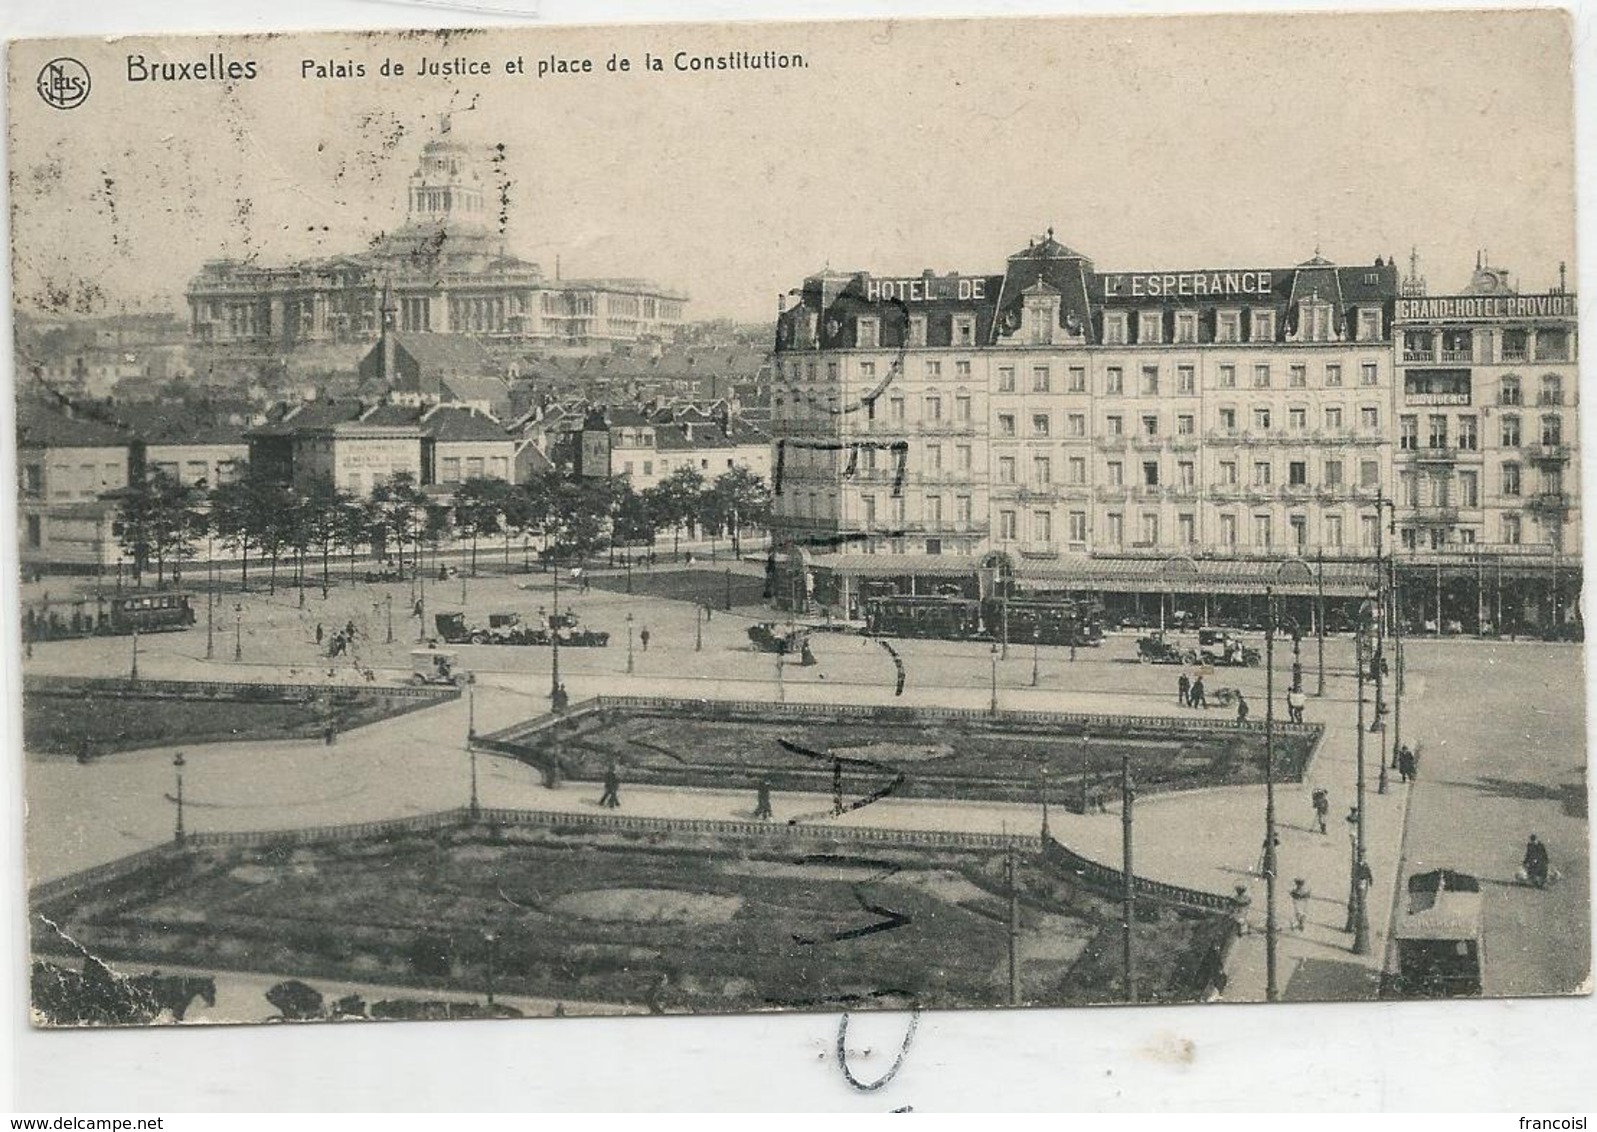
(1168, 142)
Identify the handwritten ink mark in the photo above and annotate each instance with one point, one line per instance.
(892, 1071)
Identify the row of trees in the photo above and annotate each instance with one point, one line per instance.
(162, 523)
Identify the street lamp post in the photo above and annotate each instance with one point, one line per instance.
(1128, 879)
(1358, 913)
(210, 598)
(698, 628)
(1005, 650)
(1319, 621)
(629, 570)
(631, 662)
(993, 705)
(1036, 655)
(178, 834)
(492, 941)
(133, 673)
(238, 632)
(1086, 742)
(554, 643)
(1271, 993)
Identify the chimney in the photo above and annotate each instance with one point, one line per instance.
(1563, 288)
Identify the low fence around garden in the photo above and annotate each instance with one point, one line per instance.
(1109, 880)
(127, 688)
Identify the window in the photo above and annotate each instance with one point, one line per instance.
(1228, 420)
(1297, 473)
(1006, 469)
(1510, 431)
(1552, 431)
(1469, 488)
(1300, 532)
(962, 509)
(1228, 326)
(1297, 420)
(1115, 425)
(1333, 376)
(1150, 473)
(831, 371)
(1369, 473)
(1409, 489)
(1187, 530)
(1468, 437)
(1150, 328)
(1039, 424)
(1369, 324)
(1297, 377)
(964, 330)
(1042, 526)
(934, 369)
(1510, 479)
(1333, 418)
(1437, 437)
(1042, 471)
(1511, 529)
(1040, 381)
(1261, 420)
(1006, 379)
(1228, 473)
(1114, 380)
(1150, 529)
(933, 511)
(449, 469)
(1261, 375)
(1150, 424)
(1369, 374)
(1114, 328)
(1369, 417)
(1552, 345)
(934, 457)
(917, 330)
(1186, 424)
(1115, 528)
(1186, 473)
(1006, 424)
(962, 457)
(1117, 473)
(1078, 469)
(934, 408)
(1186, 379)
(1150, 381)
(1261, 531)
(1077, 423)
(1333, 531)
(33, 481)
(1466, 536)
(1078, 526)
(1333, 473)
(1261, 326)
(474, 468)
(1078, 379)
(868, 503)
(867, 370)
(895, 408)
(962, 370)
(648, 467)
(1261, 473)
(1006, 525)
(1186, 326)
(1508, 391)
(1515, 345)
(1228, 377)
(1552, 390)
(962, 409)
(1228, 530)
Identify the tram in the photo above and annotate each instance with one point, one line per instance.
(949, 618)
(107, 616)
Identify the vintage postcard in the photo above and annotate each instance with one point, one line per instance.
(746, 517)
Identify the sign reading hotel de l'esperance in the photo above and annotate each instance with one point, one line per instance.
(1145, 285)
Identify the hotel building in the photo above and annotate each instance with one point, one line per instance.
(1192, 432)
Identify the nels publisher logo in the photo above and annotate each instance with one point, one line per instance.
(64, 83)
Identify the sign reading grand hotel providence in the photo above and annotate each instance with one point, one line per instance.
(467, 573)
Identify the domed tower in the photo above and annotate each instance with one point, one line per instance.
(446, 190)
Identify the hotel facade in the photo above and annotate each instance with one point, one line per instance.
(1170, 433)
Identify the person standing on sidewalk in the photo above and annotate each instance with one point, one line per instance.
(1184, 690)
(762, 800)
(1322, 807)
(1196, 697)
(1241, 902)
(644, 637)
(1242, 708)
(611, 798)
(1296, 701)
(1300, 904)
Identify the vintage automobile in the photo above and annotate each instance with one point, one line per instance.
(435, 666)
(767, 636)
(1155, 649)
(1440, 941)
(1224, 649)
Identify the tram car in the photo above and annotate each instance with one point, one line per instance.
(117, 615)
(1048, 622)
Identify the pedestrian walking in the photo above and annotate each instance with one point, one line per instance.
(318, 634)
(1184, 690)
(1537, 862)
(1322, 807)
(349, 630)
(1240, 903)
(1407, 764)
(1196, 697)
(762, 800)
(709, 612)
(1242, 708)
(559, 700)
(1296, 701)
(1300, 904)
(1267, 860)
(644, 637)
(416, 610)
(611, 798)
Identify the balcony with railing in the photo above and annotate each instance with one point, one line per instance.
(1458, 354)
(1550, 397)
(1114, 442)
(1439, 454)
(1548, 453)
(1116, 494)
(1435, 515)
(1184, 441)
(1422, 354)
(1142, 442)
(1225, 436)
(1549, 503)
(1038, 549)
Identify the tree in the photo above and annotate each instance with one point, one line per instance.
(231, 516)
(158, 521)
(677, 501)
(579, 515)
(399, 511)
(741, 499)
(326, 520)
(634, 521)
(480, 506)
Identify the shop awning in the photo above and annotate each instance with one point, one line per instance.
(1184, 575)
(898, 565)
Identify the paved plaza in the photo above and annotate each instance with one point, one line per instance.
(1500, 728)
